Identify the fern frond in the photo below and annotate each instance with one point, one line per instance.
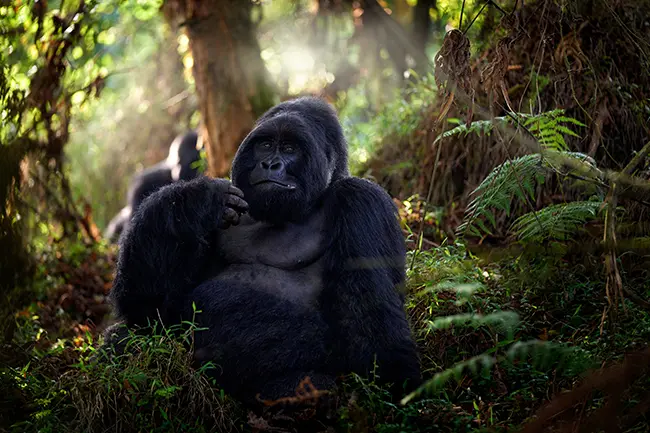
(516, 180)
(498, 190)
(546, 354)
(464, 290)
(439, 380)
(477, 127)
(543, 355)
(549, 128)
(555, 222)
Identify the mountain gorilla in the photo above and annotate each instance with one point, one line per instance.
(295, 266)
(178, 166)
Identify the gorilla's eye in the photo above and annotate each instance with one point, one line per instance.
(288, 148)
(265, 145)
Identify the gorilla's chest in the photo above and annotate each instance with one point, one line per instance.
(282, 260)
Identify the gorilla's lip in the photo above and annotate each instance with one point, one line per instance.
(275, 182)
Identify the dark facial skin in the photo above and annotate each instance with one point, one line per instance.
(281, 170)
(273, 161)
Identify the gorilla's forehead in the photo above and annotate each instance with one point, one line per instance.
(284, 126)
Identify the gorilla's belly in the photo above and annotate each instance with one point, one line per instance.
(300, 286)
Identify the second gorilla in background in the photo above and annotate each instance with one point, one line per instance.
(179, 165)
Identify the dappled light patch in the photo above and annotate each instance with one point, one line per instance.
(419, 224)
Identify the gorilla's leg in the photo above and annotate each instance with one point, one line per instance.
(260, 343)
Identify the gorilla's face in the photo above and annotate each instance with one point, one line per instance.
(275, 164)
(282, 169)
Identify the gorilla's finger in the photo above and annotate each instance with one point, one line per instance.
(230, 218)
(232, 189)
(230, 215)
(237, 203)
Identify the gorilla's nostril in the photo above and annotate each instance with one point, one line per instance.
(272, 165)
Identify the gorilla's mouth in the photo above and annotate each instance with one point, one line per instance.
(284, 185)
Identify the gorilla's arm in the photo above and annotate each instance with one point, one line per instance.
(365, 274)
(165, 249)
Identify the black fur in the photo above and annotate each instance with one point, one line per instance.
(178, 166)
(307, 284)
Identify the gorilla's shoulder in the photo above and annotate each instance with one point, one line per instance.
(363, 210)
(160, 170)
(362, 193)
(364, 223)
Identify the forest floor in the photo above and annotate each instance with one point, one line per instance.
(500, 335)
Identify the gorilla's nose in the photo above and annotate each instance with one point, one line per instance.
(273, 165)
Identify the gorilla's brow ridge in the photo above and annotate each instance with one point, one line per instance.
(282, 129)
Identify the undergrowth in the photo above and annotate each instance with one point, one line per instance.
(151, 386)
(497, 339)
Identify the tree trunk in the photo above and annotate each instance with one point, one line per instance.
(232, 83)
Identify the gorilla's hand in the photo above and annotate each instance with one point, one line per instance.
(233, 201)
(165, 251)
